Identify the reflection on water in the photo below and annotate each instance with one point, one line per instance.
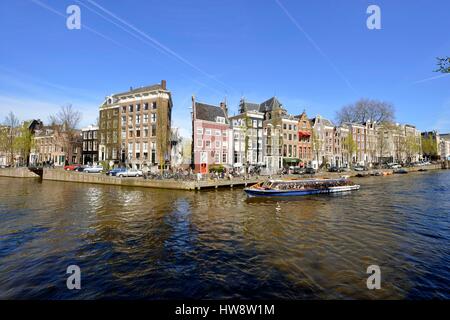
(159, 244)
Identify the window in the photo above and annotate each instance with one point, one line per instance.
(199, 130)
(224, 157)
(199, 143)
(130, 108)
(153, 117)
(145, 118)
(124, 109)
(138, 107)
(208, 132)
(138, 119)
(146, 106)
(138, 133)
(145, 133)
(124, 134)
(207, 143)
(130, 147)
(138, 146)
(217, 157)
(124, 120)
(217, 144)
(218, 133)
(130, 134)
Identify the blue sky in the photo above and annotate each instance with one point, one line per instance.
(313, 55)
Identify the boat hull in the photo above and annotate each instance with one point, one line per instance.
(252, 192)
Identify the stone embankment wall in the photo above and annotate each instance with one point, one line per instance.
(17, 173)
(80, 177)
(71, 176)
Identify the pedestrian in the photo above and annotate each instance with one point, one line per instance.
(145, 171)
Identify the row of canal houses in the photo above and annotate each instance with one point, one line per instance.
(134, 129)
(264, 134)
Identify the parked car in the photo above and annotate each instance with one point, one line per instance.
(334, 169)
(80, 168)
(296, 170)
(71, 167)
(394, 165)
(93, 169)
(310, 171)
(129, 173)
(115, 171)
(359, 168)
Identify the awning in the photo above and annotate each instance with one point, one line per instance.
(302, 133)
(291, 160)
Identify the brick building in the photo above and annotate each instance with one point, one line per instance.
(211, 136)
(90, 145)
(135, 126)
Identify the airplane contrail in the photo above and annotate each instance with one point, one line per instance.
(315, 45)
(47, 7)
(432, 78)
(159, 44)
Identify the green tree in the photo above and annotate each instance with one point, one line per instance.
(443, 65)
(350, 145)
(8, 135)
(24, 141)
(384, 131)
(429, 147)
(412, 147)
(316, 144)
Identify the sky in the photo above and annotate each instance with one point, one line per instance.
(312, 55)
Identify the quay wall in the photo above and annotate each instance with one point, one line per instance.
(81, 177)
(17, 173)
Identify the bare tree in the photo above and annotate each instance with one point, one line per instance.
(65, 124)
(366, 110)
(8, 135)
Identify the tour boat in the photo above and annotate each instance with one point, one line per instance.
(275, 188)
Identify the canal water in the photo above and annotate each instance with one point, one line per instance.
(159, 244)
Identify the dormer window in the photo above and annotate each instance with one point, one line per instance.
(220, 119)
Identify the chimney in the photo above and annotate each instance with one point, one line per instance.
(163, 84)
(223, 106)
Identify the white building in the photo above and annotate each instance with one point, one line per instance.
(445, 146)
